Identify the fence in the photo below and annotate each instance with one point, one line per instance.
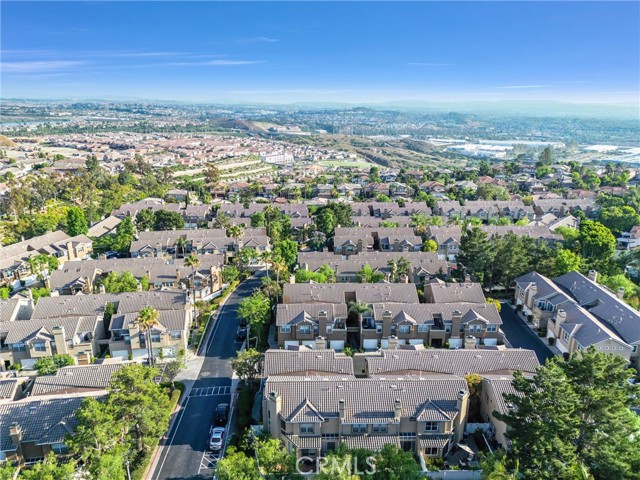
(455, 475)
(472, 427)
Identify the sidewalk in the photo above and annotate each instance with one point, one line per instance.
(552, 348)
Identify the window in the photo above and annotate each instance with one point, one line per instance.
(431, 426)
(379, 427)
(565, 337)
(492, 328)
(304, 329)
(358, 428)
(378, 328)
(405, 328)
(40, 347)
(329, 329)
(634, 349)
(285, 329)
(423, 328)
(306, 428)
(155, 337)
(447, 327)
(59, 448)
(175, 334)
(19, 347)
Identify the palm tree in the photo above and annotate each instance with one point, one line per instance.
(235, 231)
(403, 265)
(501, 472)
(181, 243)
(147, 319)
(266, 258)
(359, 309)
(194, 262)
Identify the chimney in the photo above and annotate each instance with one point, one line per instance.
(341, 408)
(467, 278)
(393, 342)
(456, 321)
(102, 289)
(404, 278)
(177, 276)
(469, 342)
(321, 343)
(359, 245)
(386, 316)
(271, 415)
(158, 250)
(396, 245)
(70, 254)
(620, 293)
(462, 405)
(15, 432)
(561, 316)
(593, 276)
(58, 338)
(397, 410)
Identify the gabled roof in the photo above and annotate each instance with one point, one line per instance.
(306, 413)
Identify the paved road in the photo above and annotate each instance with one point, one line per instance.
(184, 455)
(520, 335)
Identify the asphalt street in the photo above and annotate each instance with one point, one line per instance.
(184, 454)
(520, 335)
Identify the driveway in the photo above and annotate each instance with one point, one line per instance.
(520, 335)
(184, 454)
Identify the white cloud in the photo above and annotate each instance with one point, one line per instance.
(38, 66)
(208, 63)
(522, 86)
(259, 40)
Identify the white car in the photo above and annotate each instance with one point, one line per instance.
(216, 439)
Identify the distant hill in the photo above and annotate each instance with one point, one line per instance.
(235, 124)
(6, 142)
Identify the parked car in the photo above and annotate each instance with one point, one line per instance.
(241, 334)
(222, 414)
(243, 322)
(216, 439)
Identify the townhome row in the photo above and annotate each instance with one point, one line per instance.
(484, 209)
(203, 241)
(413, 398)
(14, 259)
(351, 241)
(83, 326)
(320, 316)
(420, 266)
(84, 277)
(577, 313)
(194, 215)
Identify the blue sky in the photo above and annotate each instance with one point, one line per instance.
(322, 52)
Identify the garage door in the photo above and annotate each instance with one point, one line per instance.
(140, 353)
(415, 341)
(490, 341)
(455, 343)
(370, 344)
(291, 343)
(337, 345)
(28, 362)
(123, 354)
(309, 343)
(384, 343)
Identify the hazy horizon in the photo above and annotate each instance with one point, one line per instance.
(578, 53)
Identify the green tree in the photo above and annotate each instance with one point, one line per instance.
(597, 242)
(92, 163)
(288, 251)
(255, 310)
(50, 365)
(212, 174)
(76, 222)
(619, 219)
(430, 246)
(36, 293)
(193, 261)
(326, 222)
(566, 261)
(116, 282)
(147, 319)
(477, 255)
(141, 405)
(359, 308)
(167, 220)
(247, 364)
(258, 219)
(575, 412)
(236, 465)
(368, 275)
(4, 293)
(145, 219)
(274, 461)
(230, 273)
(50, 469)
(392, 463)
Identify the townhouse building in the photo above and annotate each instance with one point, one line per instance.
(351, 240)
(14, 258)
(578, 313)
